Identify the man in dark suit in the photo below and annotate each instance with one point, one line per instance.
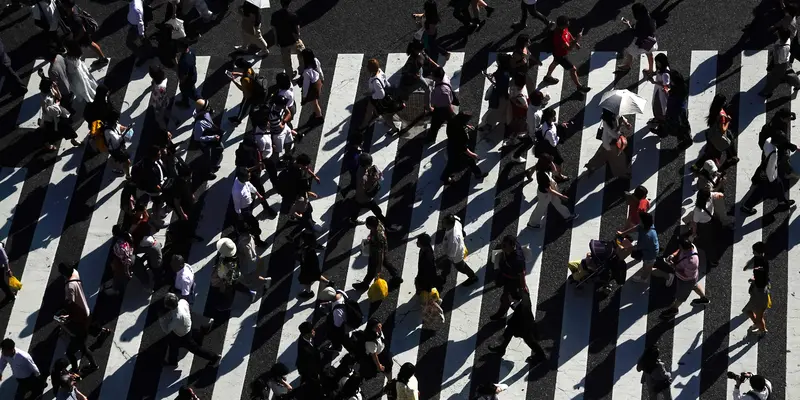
(309, 359)
(521, 324)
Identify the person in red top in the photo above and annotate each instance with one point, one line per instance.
(637, 202)
(563, 42)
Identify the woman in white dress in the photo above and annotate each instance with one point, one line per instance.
(661, 80)
(81, 81)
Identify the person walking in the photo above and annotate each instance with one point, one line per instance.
(23, 369)
(100, 109)
(456, 249)
(10, 74)
(529, 7)
(612, 148)
(533, 125)
(78, 318)
(521, 324)
(55, 121)
(427, 277)
(645, 39)
(251, 30)
(64, 382)
(309, 357)
(686, 263)
(719, 139)
(181, 331)
(460, 153)
(78, 33)
(246, 84)
(310, 271)
(511, 274)
(57, 72)
(548, 193)
(113, 134)
(442, 98)
(546, 142)
(661, 79)
(647, 246)
(313, 80)
(761, 387)
(759, 289)
(769, 183)
(655, 375)
(209, 136)
(187, 74)
(47, 17)
(368, 185)
(518, 101)
(522, 62)
(563, 43)
(777, 129)
(159, 100)
(184, 285)
(429, 20)
(411, 75)
(7, 273)
(287, 32)
(406, 384)
(378, 254)
(244, 195)
(382, 103)
(378, 357)
(498, 95)
(779, 69)
(81, 82)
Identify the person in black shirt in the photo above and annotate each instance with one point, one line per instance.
(547, 193)
(459, 150)
(521, 324)
(287, 32)
(511, 274)
(427, 277)
(645, 33)
(187, 75)
(78, 34)
(759, 289)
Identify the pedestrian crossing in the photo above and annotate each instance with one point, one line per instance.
(595, 342)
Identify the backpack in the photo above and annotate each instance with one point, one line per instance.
(260, 89)
(89, 24)
(352, 313)
(376, 188)
(97, 134)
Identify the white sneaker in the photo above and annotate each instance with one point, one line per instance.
(262, 53)
(520, 160)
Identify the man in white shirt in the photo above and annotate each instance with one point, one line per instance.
(772, 183)
(761, 387)
(780, 65)
(184, 278)
(177, 323)
(23, 369)
(536, 103)
(244, 194)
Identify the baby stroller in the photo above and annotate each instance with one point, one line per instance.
(602, 263)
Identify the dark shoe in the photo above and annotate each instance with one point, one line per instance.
(168, 363)
(215, 361)
(363, 285)
(787, 204)
(584, 89)
(306, 294)
(497, 349)
(489, 11)
(700, 301)
(747, 210)
(550, 79)
(234, 120)
(536, 358)
(497, 317)
(481, 176)
(669, 313)
(100, 62)
(470, 281)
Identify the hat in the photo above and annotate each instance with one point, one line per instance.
(710, 166)
(226, 247)
(327, 294)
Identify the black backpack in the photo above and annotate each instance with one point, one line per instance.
(285, 185)
(352, 312)
(89, 24)
(260, 89)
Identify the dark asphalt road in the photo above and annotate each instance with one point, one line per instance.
(378, 27)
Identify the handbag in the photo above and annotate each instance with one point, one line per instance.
(14, 283)
(378, 291)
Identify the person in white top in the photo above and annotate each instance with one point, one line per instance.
(177, 324)
(184, 278)
(661, 80)
(612, 149)
(406, 383)
(456, 249)
(117, 147)
(771, 184)
(136, 17)
(761, 387)
(313, 79)
(536, 103)
(55, 122)
(374, 344)
(81, 81)
(378, 105)
(23, 369)
(159, 99)
(779, 67)
(244, 194)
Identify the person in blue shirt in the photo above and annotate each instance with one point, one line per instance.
(646, 245)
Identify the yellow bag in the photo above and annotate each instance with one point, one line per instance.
(769, 300)
(14, 283)
(427, 296)
(97, 135)
(378, 291)
(466, 252)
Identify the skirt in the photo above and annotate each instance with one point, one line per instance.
(758, 300)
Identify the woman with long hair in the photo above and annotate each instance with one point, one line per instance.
(719, 137)
(374, 345)
(759, 289)
(429, 20)
(612, 148)
(661, 80)
(645, 33)
(313, 79)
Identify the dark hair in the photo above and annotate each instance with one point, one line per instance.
(406, 372)
(7, 344)
(519, 79)
(503, 62)
(431, 12)
(425, 239)
(685, 243)
(703, 197)
(783, 34)
(544, 163)
(178, 258)
(101, 94)
(278, 370)
(65, 269)
(283, 81)
(640, 192)
(510, 239)
(309, 59)
(639, 11)
(371, 221)
(112, 116)
(157, 73)
(414, 48)
(522, 42)
(714, 109)
(562, 21)
(364, 159)
(305, 328)
(303, 159)
(758, 383)
(537, 97)
(609, 118)
(60, 365)
(646, 219)
(171, 301)
(370, 332)
(548, 114)
(760, 248)
(662, 59)
(242, 174)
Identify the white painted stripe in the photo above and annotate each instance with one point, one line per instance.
(297, 100)
(424, 219)
(793, 281)
(574, 352)
(241, 324)
(31, 109)
(466, 313)
(344, 88)
(11, 180)
(127, 336)
(535, 239)
(201, 256)
(632, 324)
(687, 340)
(752, 116)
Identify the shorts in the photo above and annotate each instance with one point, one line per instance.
(564, 62)
(683, 289)
(635, 50)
